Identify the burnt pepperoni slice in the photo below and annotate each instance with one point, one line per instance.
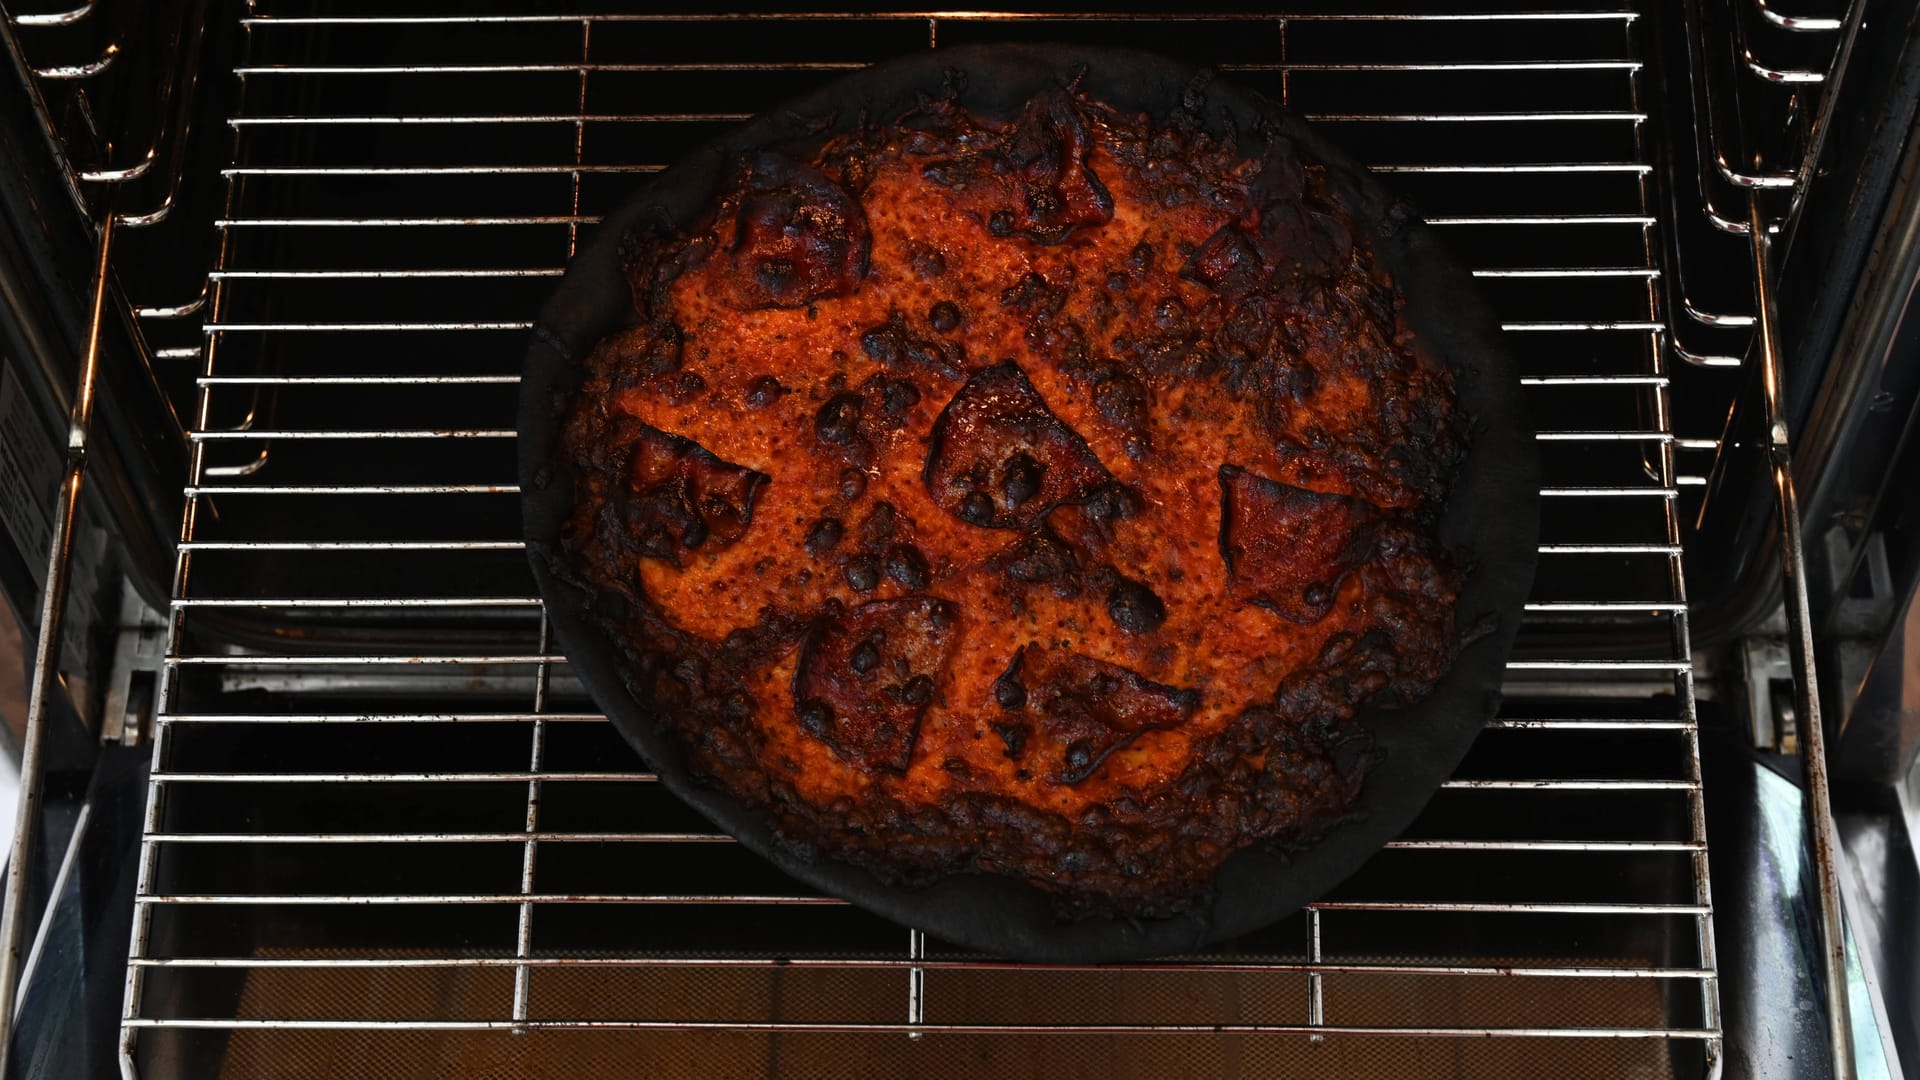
(1001, 459)
(1039, 558)
(1081, 710)
(1287, 548)
(1058, 189)
(680, 497)
(1277, 234)
(1227, 262)
(866, 677)
(1036, 182)
(1307, 242)
(798, 236)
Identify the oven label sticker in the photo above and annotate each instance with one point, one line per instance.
(29, 472)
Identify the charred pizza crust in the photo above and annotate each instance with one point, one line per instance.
(1039, 495)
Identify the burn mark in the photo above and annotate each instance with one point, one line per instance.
(1085, 709)
(862, 572)
(945, 316)
(1134, 608)
(927, 262)
(1278, 237)
(887, 402)
(996, 440)
(1031, 178)
(1013, 736)
(824, 536)
(1091, 526)
(764, 391)
(1288, 549)
(1034, 296)
(896, 345)
(838, 421)
(866, 677)
(798, 236)
(1020, 480)
(680, 497)
(1008, 691)
(879, 525)
(907, 567)
(1040, 558)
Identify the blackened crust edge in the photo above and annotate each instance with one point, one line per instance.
(1491, 520)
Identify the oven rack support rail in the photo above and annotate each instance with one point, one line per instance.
(1762, 229)
(1766, 223)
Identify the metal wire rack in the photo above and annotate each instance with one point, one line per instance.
(388, 830)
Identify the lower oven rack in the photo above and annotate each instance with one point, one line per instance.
(388, 834)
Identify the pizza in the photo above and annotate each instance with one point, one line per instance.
(1040, 494)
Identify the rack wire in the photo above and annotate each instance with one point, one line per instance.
(387, 828)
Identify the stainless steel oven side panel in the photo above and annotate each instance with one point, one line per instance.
(46, 301)
(1830, 263)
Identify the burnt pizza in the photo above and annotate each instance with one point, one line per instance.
(1040, 493)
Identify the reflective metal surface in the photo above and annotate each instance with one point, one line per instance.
(1806, 679)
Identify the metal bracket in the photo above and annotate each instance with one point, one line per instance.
(139, 652)
(1865, 607)
(1766, 673)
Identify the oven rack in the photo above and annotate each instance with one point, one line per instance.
(1590, 330)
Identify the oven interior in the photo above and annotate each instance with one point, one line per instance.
(384, 832)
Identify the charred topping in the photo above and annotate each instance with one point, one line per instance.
(905, 565)
(895, 344)
(763, 391)
(1288, 549)
(996, 439)
(798, 236)
(862, 572)
(872, 672)
(824, 536)
(944, 316)
(679, 497)
(1031, 178)
(1087, 709)
(1008, 693)
(1134, 608)
(838, 421)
